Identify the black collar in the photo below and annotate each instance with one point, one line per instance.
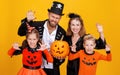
(33, 49)
(88, 53)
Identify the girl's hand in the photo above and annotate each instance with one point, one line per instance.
(42, 47)
(16, 46)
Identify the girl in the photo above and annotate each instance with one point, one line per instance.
(88, 57)
(32, 54)
(75, 33)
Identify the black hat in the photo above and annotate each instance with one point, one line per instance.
(57, 8)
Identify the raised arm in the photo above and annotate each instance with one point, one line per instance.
(101, 42)
(109, 56)
(25, 23)
(46, 53)
(15, 50)
(74, 56)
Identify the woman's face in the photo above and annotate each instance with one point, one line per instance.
(75, 26)
(32, 40)
(89, 46)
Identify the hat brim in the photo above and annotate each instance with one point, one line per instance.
(55, 12)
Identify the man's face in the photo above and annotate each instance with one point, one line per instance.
(53, 19)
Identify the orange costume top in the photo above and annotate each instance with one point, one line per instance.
(32, 60)
(88, 62)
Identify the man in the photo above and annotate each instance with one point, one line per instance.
(49, 31)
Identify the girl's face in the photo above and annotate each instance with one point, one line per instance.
(32, 40)
(75, 26)
(89, 46)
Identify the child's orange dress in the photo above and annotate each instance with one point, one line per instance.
(31, 60)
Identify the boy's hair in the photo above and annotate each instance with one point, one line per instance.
(88, 37)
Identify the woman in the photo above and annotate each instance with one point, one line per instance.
(75, 33)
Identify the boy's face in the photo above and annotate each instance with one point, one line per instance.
(32, 40)
(89, 46)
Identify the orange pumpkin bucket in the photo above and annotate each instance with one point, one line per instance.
(59, 48)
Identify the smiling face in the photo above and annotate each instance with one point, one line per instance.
(89, 46)
(32, 40)
(75, 26)
(53, 19)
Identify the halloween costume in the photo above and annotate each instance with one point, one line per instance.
(73, 65)
(56, 8)
(39, 25)
(32, 60)
(88, 62)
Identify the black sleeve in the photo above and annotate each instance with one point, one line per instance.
(17, 52)
(23, 28)
(65, 37)
(58, 62)
(100, 44)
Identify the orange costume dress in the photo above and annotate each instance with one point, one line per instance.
(32, 60)
(88, 62)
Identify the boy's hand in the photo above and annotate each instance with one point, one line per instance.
(73, 48)
(107, 47)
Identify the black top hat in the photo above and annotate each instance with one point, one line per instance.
(57, 8)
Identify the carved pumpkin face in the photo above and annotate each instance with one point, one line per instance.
(89, 61)
(59, 49)
(31, 60)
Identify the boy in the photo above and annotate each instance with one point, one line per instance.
(88, 57)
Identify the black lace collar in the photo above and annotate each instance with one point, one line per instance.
(33, 49)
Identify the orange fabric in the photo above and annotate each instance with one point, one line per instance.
(35, 57)
(11, 51)
(48, 55)
(88, 63)
(32, 59)
(24, 71)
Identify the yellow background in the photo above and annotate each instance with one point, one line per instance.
(105, 12)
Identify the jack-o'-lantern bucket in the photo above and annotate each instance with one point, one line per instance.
(59, 48)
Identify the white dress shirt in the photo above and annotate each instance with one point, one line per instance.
(48, 39)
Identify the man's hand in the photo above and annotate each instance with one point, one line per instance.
(30, 15)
